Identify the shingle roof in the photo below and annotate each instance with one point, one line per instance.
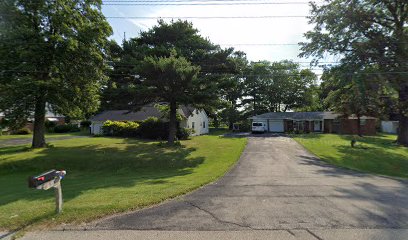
(144, 113)
(302, 115)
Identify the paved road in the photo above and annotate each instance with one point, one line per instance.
(23, 141)
(276, 191)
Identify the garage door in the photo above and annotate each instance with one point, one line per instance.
(276, 126)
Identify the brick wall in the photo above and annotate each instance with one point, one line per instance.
(349, 126)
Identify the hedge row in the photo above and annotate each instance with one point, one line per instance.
(151, 128)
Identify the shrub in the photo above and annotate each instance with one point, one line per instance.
(121, 129)
(184, 133)
(85, 123)
(66, 128)
(154, 128)
(23, 131)
(49, 125)
(151, 128)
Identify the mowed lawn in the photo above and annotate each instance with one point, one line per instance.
(107, 175)
(47, 135)
(375, 154)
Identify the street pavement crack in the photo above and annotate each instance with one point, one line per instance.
(216, 218)
(313, 234)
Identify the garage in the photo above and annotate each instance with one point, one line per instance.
(276, 126)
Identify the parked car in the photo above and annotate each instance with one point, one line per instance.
(258, 127)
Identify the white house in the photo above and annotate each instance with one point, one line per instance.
(192, 118)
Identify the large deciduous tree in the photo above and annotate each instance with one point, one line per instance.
(365, 33)
(173, 80)
(353, 92)
(51, 54)
(278, 86)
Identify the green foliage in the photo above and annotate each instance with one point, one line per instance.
(50, 125)
(173, 80)
(358, 94)
(365, 34)
(22, 131)
(122, 129)
(164, 109)
(65, 128)
(217, 86)
(277, 86)
(151, 128)
(154, 128)
(53, 52)
(184, 133)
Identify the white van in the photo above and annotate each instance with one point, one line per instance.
(258, 127)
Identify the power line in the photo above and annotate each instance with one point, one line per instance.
(208, 17)
(188, 1)
(221, 44)
(204, 3)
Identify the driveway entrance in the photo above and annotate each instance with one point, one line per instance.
(277, 185)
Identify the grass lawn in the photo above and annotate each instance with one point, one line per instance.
(375, 154)
(107, 175)
(47, 135)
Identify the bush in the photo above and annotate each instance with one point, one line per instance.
(49, 125)
(151, 128)
(154, 128)
(66, 128)
(184, 133)
(121, 129)
(85, 124)
(23, 131)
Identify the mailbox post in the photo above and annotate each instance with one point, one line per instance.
(47, 180)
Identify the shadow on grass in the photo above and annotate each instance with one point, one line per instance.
(13, 149)
(379, 140)
(367, 159)
(94, 167)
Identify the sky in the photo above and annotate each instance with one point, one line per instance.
(225, 32)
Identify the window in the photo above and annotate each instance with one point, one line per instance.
(299, 125)
(256, 124)
(203, 124)
(362, 122)
(192, 125)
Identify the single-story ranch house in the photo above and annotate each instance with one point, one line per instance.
(192, 118)
(327, 122)
(50, 116)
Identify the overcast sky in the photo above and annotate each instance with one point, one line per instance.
(226, 31)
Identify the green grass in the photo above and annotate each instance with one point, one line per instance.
(47, 135)
(374, 154)
(107, 175)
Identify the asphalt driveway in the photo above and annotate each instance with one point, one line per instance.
(279, 187)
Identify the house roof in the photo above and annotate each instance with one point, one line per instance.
(144, 113)
(303, 116)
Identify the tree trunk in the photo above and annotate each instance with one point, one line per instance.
(39, 123)
(403, 131)
(359, 126)
(403, 119)
(172, 123)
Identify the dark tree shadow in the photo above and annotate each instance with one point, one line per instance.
(375, 160)
(94, 167)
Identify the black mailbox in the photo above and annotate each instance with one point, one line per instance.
(47, 180)
(36, 181)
